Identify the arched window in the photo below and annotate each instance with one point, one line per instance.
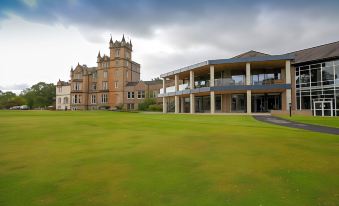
(65, 100)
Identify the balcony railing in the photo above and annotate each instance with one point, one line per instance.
(268, 82)
(222, 82)
(202, 83)
(226, 82)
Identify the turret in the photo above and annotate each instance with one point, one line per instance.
(99, 57)
(71, 73)
(111, 42)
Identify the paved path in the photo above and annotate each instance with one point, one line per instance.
(288, 123)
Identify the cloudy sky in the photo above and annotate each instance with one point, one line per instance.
(41, 39)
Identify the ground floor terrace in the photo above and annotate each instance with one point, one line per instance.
(227, 102)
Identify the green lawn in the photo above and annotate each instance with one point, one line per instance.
(107, 158)
(324, 121)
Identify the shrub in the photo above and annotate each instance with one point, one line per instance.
(143, 106)
(155, 107)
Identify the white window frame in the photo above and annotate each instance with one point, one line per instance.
(104, 98)
(93, 99)
(104, 85)
(77, 86)
(141, 94)
(130, 95)
(76, 99)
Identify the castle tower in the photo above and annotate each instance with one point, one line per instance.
(120, 69)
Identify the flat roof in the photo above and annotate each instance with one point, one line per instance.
(230, 61)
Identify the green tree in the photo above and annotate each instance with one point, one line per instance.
(7, 100)
(40, 95)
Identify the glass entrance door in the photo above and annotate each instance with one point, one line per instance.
(323, 108)
(266, 102)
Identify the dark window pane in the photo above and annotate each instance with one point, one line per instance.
(328, 76)
(305, 78)
(316, 77)
(337, 75)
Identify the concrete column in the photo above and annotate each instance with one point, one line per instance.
(288, 72)
(164, 100)
(192, 104)
(248, 73)
(212, 102)
(164, 85)
(182, 104)
(176, 82)
(164, 105)
(176, 101)
(191, 79)
(249, 101)
(176, 98)
(288, 99)
(211, 76)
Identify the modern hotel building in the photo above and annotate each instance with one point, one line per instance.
(307, 81)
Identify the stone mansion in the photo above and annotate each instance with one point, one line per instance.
(113, 83)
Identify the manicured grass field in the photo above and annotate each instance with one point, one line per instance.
(324, 121)
(106, 158)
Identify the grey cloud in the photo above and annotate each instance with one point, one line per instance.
(222, 28)
(14, 87)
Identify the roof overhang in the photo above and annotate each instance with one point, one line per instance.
(230, 61)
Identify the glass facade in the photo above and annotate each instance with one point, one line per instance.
(230, 77)
(265, 76)
(317, 88)
(238, 103)
(266, 102)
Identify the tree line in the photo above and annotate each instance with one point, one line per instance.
(40, 95)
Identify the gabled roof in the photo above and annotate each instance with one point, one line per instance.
(63, 83)
(131, 84)
(251, 53)
(322, 52)
(84, 68)
(260, 58)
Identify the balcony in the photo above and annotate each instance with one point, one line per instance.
(201, 83)
(172, 88)
(228, 81)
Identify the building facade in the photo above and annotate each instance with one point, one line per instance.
(63, 95)
(113, 84)
(304, 81)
